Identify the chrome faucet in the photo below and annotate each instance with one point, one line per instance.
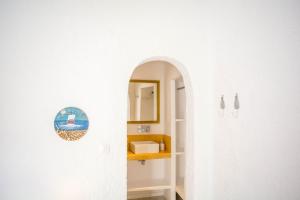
(143, 128)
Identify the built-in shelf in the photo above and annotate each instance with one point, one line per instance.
(148, 185)
(180, 191)
(179, 150)
(180, 88)
(179, 131)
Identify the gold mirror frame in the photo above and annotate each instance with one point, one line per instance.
(158, 102)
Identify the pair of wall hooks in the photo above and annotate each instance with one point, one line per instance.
(236, 105)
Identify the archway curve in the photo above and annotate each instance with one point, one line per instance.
(189, 150)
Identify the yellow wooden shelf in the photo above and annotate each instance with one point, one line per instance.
(148, 156)
(149, 137)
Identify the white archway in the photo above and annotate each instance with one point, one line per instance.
(189, 119)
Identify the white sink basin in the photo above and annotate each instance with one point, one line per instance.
(144, 147)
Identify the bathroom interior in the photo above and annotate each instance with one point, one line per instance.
(156, 130)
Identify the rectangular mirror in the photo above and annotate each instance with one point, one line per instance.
(143, 102)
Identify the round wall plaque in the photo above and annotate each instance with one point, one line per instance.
(71, 123)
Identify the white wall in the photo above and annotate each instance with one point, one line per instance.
(82, 53)
(253, 48)
(257, 55)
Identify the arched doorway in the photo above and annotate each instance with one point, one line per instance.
(158, 176)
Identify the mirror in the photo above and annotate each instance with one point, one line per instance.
(143, 104)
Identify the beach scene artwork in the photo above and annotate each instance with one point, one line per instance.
(71, 123)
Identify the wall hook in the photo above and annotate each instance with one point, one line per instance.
(222, 103)
(236, 106)
(222, 106)
(236, 102)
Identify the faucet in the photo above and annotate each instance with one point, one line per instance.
(143, 128)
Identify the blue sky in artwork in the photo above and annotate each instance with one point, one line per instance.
(63, 114)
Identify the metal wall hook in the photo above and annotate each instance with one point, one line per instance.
(236, 102)
(222, 103)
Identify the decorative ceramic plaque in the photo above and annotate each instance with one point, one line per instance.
(71, 123)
